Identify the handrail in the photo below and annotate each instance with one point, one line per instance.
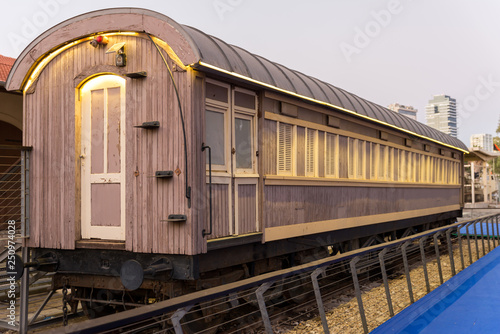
(203, 233)
(149, 311)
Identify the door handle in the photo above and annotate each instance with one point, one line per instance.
(233, 150)
(82, 156)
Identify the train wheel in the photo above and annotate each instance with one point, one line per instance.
(298, 288)
(204, 318)
(96, 309)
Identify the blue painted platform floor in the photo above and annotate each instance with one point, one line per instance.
(468, 303)
(488, 229)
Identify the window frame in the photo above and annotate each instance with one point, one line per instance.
(293, 150)
(314, 172)
(334, 155)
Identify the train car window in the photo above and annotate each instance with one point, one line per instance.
(453, 173)
(402, 166)
(395, 165)
(432, 172)
(439, 170)
(442, 174)
(416, 165)
(311, 147)
(409, 165)
(361, 156)
(422, 168)
(447, 172)
(390, 165)
(216, 92)
(215, 136)
(435, 169)
(382, 162)
(343, 172)
(243, 141)
(331, 153)
(244, 100)
(285, 149)
(351, 161)
(368, 159)
(375, 156)
(427, 169)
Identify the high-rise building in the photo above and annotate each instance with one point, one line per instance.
(404, 110)
(482, 141)
(441, 114)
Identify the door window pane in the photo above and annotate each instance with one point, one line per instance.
(215, 136)
(243, 142)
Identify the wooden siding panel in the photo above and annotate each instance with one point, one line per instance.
(368, 160)
(301, 151)
(289, 205)
(53, 130)
(321, 154)
(197, 167)
(269, 147)
(247, 208)
(220, 211)
(343, 172)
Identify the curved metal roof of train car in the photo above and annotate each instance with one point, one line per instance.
(199, 50)
(220, 56)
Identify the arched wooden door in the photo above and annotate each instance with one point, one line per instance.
(102, 159)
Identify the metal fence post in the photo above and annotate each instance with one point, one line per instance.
(482, 238)
(262, 306)
(450, 252)
(24, 297)
(424, 263)
(177, 316)
(494, 232)
(468, 242)
(386, 283)
(498, 231)
(436, 247)
(488, 233)
(460, 246)
(25, 192)
(355, 281)
(407, 270)
(319, 300)
(475, 237)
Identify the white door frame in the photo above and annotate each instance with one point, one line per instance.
(87, 178)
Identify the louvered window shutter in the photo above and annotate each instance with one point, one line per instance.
(285, 143)
(311, 143)
(330, 155)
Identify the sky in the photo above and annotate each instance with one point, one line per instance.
(385, 51)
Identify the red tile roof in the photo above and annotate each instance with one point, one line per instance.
(5, 66)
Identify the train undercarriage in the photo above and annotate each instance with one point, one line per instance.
(95, 277)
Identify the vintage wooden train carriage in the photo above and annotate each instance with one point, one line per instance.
(119, 163)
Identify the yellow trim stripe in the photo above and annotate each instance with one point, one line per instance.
(292, 231)
(218, 69)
